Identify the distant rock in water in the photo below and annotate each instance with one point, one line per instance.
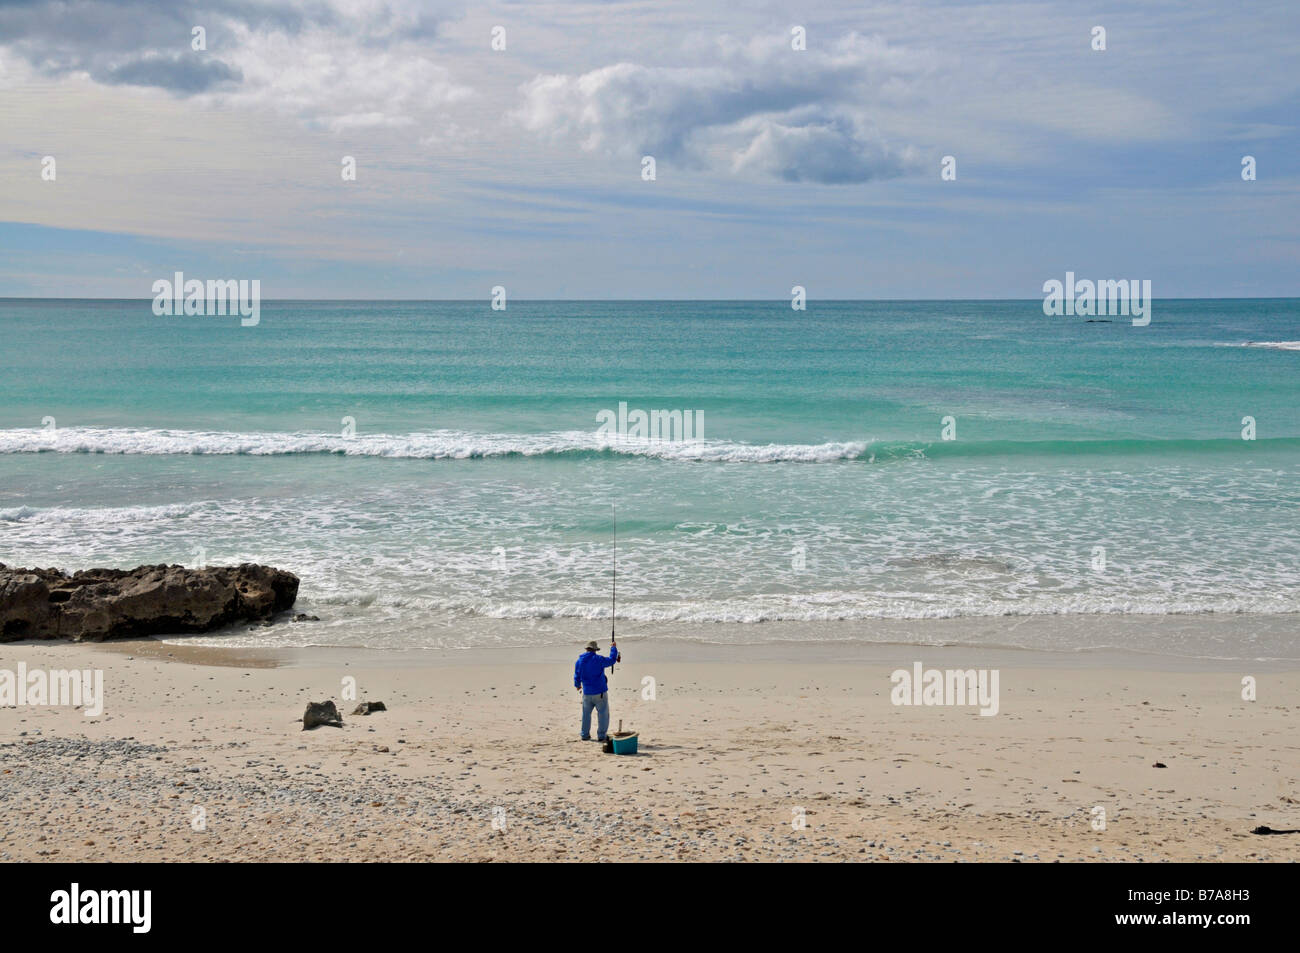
(98, 604)
(321, 713)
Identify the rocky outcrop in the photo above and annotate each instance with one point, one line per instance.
(366, 708)
(98, 604)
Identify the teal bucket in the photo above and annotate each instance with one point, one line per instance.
(625, 744)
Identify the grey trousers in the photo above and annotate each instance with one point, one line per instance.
(601, 704)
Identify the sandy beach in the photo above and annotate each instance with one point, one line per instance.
(911, 388)
(199, 756)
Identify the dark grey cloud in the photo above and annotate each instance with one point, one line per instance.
(148, 42)
(137, 42)
(180, 74)
(85, 31)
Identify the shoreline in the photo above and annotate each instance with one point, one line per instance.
(684, 652)
(1108, 641)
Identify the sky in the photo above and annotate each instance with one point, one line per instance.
(523, 166)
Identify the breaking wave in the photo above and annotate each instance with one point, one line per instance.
(465, 445)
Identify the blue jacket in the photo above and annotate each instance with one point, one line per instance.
(589, 671)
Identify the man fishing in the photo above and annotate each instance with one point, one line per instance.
(589, 678)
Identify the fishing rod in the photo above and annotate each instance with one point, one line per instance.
(613, 595)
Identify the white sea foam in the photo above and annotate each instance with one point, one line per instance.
(92, 516)
(857, 607)
(1272, 345)
(434, 624)
(408, 562)
(432, 445)
(830, 606)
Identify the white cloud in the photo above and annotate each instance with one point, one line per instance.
(831, 152)
(326, 78)
(795, 115)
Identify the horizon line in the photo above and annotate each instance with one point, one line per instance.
(784, 300)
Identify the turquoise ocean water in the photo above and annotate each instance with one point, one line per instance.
(468, 481)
